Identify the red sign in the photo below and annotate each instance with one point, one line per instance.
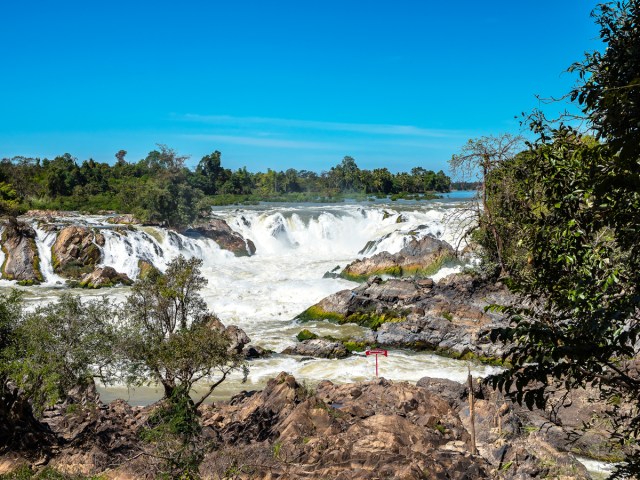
(376, 352)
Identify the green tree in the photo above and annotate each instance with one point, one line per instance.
(9, 203)
(210, 168)
(580, 228)
(477, 159)
(47, 352)
(169, 337)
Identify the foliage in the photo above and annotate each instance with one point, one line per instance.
(570, 207)
(173, 430)
(170, 337)
(26, 472)
(56, 347)
(9, 203)
(161, 189)
(478, 159)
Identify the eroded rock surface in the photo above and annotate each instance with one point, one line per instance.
(318, 348)
(22, 262)
(366, 430)
(525, 443)
(448, 316)
(419, 257)
(220, 232)
(76, 251)
(104, 277)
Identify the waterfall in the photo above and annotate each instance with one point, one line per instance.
(44, 241)
(286, 237)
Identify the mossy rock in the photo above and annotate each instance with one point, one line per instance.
(306, 335)
(398, 271)
(147, 269)
(356, 346)
(316, 313)
(370, 320)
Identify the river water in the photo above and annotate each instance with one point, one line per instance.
(295, 246)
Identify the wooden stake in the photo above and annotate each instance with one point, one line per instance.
(474, 450)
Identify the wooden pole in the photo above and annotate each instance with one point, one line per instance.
(474, 450)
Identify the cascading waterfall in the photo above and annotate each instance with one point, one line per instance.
(44, 241)
(295, 246)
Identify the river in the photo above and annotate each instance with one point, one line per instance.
(295, 246)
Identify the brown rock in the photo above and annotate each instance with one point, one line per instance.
(104, 277)
(76, 251)
(220, 232)
(378, 433)
(124, 219)
(318, 348)
(21, 254)
(420, 257)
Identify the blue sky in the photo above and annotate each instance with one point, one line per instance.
(279, 84)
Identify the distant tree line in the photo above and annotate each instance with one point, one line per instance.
(160, 188)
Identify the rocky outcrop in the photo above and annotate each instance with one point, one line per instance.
(366, 430)
(20, 431)
(145, 269)
(421, 257)
(528, 443)
(237, 337)
(220, 232)
(369, 430)
(124, 219)
(104, 277)
(318, 348)
(22, 262)
(76, 251)
(448, 316)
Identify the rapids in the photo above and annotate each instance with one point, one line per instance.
(295, 246)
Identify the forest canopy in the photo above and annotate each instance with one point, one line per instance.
(160, 188)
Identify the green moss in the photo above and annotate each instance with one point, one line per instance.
(398, 271)
(94, 286)
(447, 316)
(440, 428)
(36, 262)
(316, 313)
(6, 256)
(146, 269)
(374, 320)
(55, 263)
(355, 346)
(306, 335)
(370, 320)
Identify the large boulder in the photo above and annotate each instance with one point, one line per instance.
(421, 257)
(21, 262)
(220, 232)
(447, 317)
(104, 277)
(76, 251)
(522, 443)
(318, 348)
(237, 337)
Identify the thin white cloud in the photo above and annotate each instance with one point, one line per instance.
(365, 128)
(259, 141)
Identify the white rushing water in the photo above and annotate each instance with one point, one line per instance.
(295, 246)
